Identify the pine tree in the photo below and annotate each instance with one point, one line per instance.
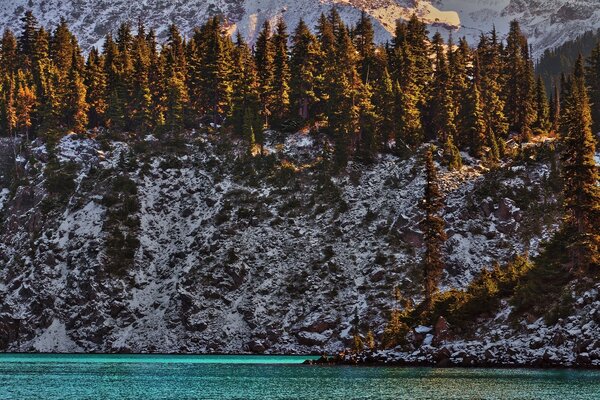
(383, 100)
(140, 107)
(409, 128)
(475, 129)
(520, 104)
(25, 102)
(368, 143)
(281, 73)
(432, 226)
(452, 155)
(555, 108)
(8, 115)
(95, 81)
(593, 81)
(76, 104)
(542, 108)
(490, 64)
(62, 46)
(342, 106)
(246, 119)
(580, 174)
(363, 37)
(115, 85)
(441, 103)
(177, 98)
(303, 68)
(27, 40)
(264, 56)
(8, 53)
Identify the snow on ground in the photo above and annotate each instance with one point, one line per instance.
(55, 340)
(229, 265)
(3, 197)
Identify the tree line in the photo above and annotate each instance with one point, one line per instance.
(369, 98)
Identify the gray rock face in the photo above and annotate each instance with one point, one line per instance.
(224, 263)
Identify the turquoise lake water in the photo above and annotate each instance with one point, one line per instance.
(257, 377)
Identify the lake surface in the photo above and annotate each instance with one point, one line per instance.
(258, 377)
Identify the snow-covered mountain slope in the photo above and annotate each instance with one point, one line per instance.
(547, 22)
(229, 261)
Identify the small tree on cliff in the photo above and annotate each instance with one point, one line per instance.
(433, 230)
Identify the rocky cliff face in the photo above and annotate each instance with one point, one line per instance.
(548, 23)
(226, 259)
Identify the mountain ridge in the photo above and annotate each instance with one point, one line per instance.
(547, 23)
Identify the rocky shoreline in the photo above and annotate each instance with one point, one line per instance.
(442, 358)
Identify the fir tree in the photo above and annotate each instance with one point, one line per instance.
(580, 174)
(8, 53)
(383, 100)
(264, 55)
(28, 39)
(76, 104)
(474, 128)
(25, 102)
(452, 155)
(246, 119)
(281, 73)
(363, 37)
(542, 108)
(520, 104)
(441, 104)
(95, 81)
(433, 230)
(593, 81)
(303, 68)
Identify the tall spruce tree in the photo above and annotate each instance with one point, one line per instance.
(542, 108)
(304, 78)
(281, 73)
(593, 80)
(580, 175)
(519, 91)
(432, 226)
(264, 55)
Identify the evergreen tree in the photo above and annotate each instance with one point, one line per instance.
(593, 80)
(177, 98)
(246, 119)
(25, 102)
(475, 129)
(8, 114)
(490, 64)
(8, 53)
(542, 107)
(343, 103)
(368, 143)
(409, 128)
(383, 100)
(452, 155)
(303, 68)
(432, 226)
(140, 107)
(76, 104)
(441, 104)
(363, 37)
(580, 174)
(281, 73)
(555, 108)
(264, 56)
(27, 40)
(95, 81)
(520, 104)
